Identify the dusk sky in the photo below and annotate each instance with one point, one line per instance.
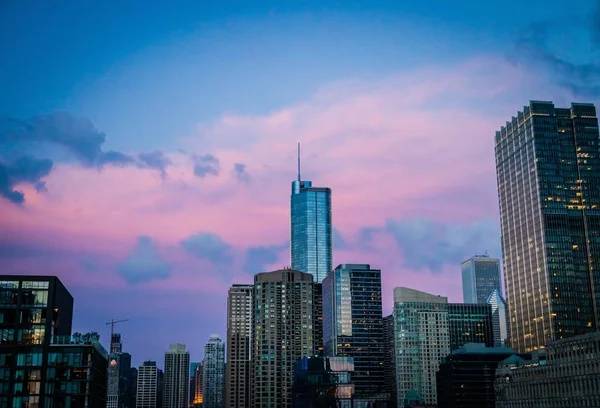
(147, 149)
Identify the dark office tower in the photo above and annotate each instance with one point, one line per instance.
(470, 323)
(353, 323)
(548, 170)
(480, 276)
(197, 385)
(499, 319)
(311, 236)
(239, 341)
(284, 312)
(389, 359)
(213, 376)
(176, 378)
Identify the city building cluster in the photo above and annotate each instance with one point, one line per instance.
(314, 335)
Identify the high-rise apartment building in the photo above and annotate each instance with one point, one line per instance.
(353, 323)
(239, 343)
(214, 373)
(147, 386)
(286, 306)
(176, 379)
(311, 230)
(422, 339)
(197, 384)
(499, 319)
(480, 276)
(548, 171)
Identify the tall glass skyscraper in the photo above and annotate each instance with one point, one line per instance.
(548, 170)
(311, 237)
(353, 323)
(213, 376)
(499, 319)
(480, 276)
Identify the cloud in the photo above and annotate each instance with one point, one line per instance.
(144, 263)
(427, 244)
(206, 165)
(155, 160)
(338, 240)
(25, 169)
(209, 246)
(260, 257)
(241, 173)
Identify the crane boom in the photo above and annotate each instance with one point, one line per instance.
(112, 326)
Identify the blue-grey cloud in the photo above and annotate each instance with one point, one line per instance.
(241, 173)
(144, 263)
(155, 160)
(338, 240)
(209, 246)
(259, 257)
(25, 169)
(426, 244)
(206, 165)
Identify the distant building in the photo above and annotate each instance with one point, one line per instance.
(547, 162)
(565, 374)
(480, 276)
(214, 373)
(119, 387)
(389, 359)
(239, 346)
(470, 323)
(197, 385)
(466, 377)
(353, 323)
(147, 385)
(499, 319)
(285, 313)
(311, 229)
(176, 378)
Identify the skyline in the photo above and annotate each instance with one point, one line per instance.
(418, 117)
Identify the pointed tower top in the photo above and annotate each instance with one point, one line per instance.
(299, 161)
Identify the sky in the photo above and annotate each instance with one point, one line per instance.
(147, 150)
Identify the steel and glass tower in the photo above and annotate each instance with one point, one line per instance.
(480, 276)
(214, 373)
(548, 170)
(311, 237)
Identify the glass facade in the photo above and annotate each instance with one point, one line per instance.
(353, 323)
(311, 236)
(214, 373)
(499, 319)
(548, 171)
(480, 276)
(470, 323)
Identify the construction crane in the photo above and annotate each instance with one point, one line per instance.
(112, 326)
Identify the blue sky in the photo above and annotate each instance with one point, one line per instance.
(395, 103)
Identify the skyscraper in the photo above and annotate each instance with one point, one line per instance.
(480, 276)
(311, 234)
(470, 323)
(285, 309)
(499, 319)
(239, 341)
(119, 387)
(176, 378)
(548, 170)
(147, 386)
(353, 323)
(214, 373)
(197, 384)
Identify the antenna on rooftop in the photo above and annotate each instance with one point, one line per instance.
(299, 161)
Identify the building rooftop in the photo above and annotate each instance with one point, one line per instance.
(480, 348)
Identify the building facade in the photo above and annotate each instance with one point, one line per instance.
(33, 311)
(480, 276)
(323, 382)
(466, 377)
(176, 379)
(548, 172)
(214, 373)
(286, 307)
(389, 359)
(311, 229)
(197, 385)
(119, 387)
(353, 323)
(470, 323)
(566, 374)
(147, 386)
(239, 342)
(422, 339)
(499, 319)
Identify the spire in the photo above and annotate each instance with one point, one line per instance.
(299, 161)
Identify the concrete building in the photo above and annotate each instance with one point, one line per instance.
(480, 276)
(119, 386)
(565, 374)
(147, 386)
(548, 170)
(176, 378)
(214, 373)
(285, 328)
(239, 342)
